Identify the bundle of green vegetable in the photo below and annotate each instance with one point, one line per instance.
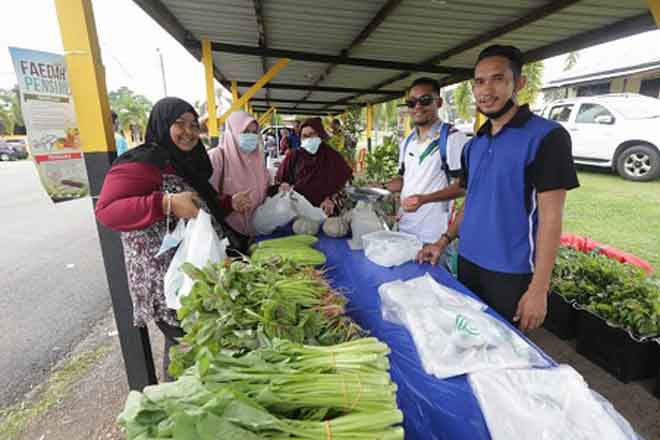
(287, 391)
(619, 293)
(238, 306)
(296, 248)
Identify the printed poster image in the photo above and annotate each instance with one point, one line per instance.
(50, 120)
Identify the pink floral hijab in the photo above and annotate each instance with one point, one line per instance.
(239, 171)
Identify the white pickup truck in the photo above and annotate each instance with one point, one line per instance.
(618, 131)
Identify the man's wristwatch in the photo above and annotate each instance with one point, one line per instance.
(449, 239)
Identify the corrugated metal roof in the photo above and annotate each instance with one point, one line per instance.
(414, 31)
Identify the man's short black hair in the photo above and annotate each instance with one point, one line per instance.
(511, 53)
(114, 116)
(426, 81)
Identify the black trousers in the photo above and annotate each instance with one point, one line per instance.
(171, 334)
(501, 291)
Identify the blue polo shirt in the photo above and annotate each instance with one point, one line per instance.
(503, 175)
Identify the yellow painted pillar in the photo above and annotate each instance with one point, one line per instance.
(86, 74)
(654, 7)
(212, 123)
(234, 91)
(479, 120)
(87, 82)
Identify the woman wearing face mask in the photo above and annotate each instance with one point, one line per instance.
(239, 168)
(315, 170)
(147, 189)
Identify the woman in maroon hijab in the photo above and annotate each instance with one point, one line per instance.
(315, 170)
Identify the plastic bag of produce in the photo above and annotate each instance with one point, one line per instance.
(548, 404)
(363, 221)
(305, 209)
(454, 336)
(276, 211)
(388, 249)
(200, 246)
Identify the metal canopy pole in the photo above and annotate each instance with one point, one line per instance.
(87, 82)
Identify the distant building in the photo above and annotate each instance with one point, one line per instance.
(643, 77)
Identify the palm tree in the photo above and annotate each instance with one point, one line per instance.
(132, 111)
(534, 74)
(463, 100)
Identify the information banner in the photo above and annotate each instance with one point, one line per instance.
(50, 121)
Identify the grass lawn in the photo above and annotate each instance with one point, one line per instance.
(623, 214)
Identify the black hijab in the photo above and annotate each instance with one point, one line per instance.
(193, 166)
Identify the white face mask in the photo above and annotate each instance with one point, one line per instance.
(172, 239)
(311, 145)
(248, 142)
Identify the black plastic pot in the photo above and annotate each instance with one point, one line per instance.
(562, 318)
(615, 351)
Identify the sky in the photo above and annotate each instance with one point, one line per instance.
(130, 39)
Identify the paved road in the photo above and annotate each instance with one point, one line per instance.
(52, 282)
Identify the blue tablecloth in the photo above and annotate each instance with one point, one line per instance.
(432, 408)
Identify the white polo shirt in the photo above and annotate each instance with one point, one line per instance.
(423, 174)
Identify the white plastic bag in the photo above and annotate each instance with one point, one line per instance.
(547, 404)
(281, 209)
(388, 249)
(305, 209)
(200, 246)
(454, 336)
(363, 221)
(276, 211)
(172, 239)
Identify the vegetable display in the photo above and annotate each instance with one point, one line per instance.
(335, 227)
(239, 306)
(618, 293)
(306, 226)
(268, 354)
(290, 248)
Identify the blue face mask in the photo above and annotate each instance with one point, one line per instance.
(311, 145)
(247, 142)
(172, 239)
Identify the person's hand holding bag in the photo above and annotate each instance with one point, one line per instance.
(182, 205)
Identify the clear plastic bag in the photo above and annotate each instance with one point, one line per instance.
(276, 211)
(388, 249)
(281, 209)
(548, 404)
(199, 247)
(364, 220)
(454, 336)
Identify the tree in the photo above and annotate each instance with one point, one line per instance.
(571, 60)
(11, 114)
(132, 110)
(463, 100)
(534, 74)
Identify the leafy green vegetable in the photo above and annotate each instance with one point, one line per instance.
(236, 307)
(618, 293)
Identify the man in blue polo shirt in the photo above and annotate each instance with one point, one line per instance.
(516, 170)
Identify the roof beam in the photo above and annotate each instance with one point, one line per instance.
(335, 59)
(539, 13)
(380, 16)
(298, 101)
(326, 89)
(620, 29)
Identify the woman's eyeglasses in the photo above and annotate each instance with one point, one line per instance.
(423, 100)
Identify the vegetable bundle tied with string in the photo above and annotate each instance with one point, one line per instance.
(285, 391)
(235, 307)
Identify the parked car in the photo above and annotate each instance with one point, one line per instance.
(617, 131)
(9, 152)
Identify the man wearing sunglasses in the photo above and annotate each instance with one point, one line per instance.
(517, 170)
(429, 159)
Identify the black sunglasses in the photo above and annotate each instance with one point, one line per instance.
(423, 100)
